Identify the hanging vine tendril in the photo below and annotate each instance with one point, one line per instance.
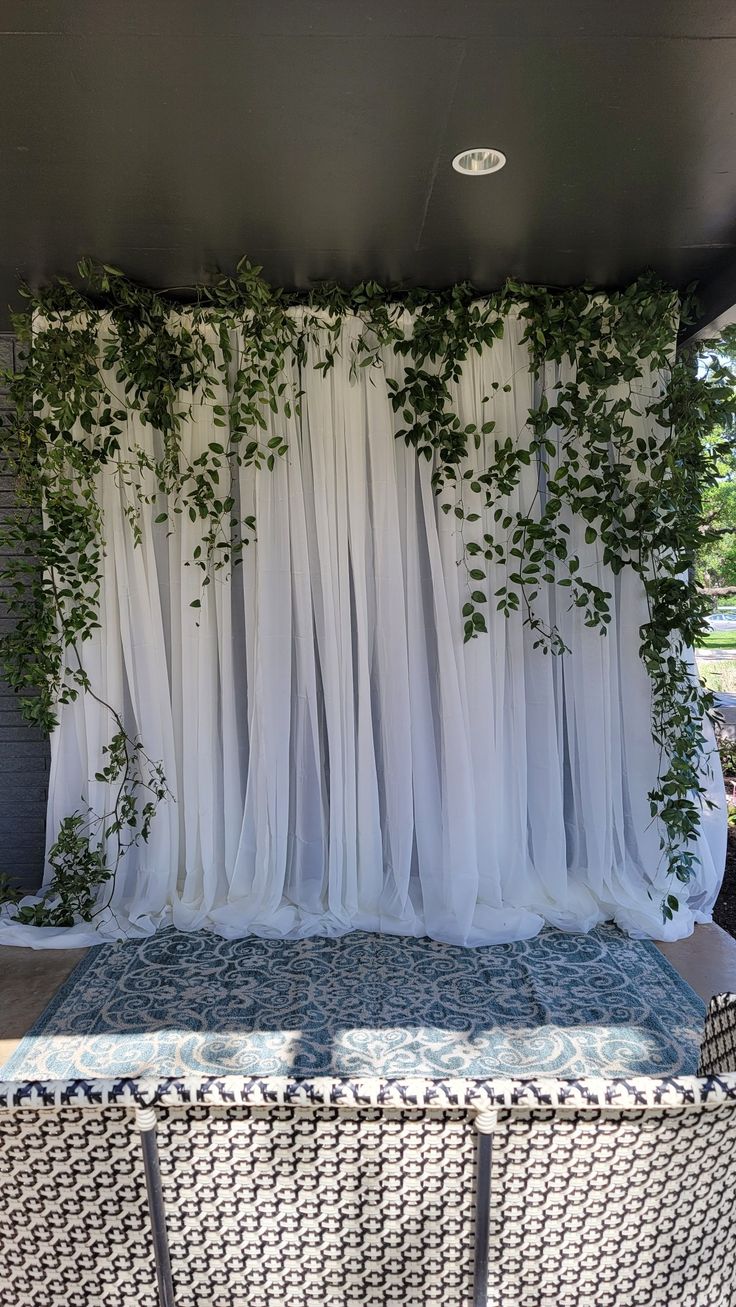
(599, 363)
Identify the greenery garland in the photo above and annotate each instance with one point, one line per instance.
(639, 497)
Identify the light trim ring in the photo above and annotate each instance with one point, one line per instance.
(478, 161)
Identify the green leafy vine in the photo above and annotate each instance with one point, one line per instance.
(599, 364)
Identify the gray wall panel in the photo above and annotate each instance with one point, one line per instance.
(24, 751)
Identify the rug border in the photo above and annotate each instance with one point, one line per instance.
(24, 1046)
(669, 967)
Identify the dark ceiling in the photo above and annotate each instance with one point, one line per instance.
(172, 136)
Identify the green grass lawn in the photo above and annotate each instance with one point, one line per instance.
(724, 640)
(720, 677)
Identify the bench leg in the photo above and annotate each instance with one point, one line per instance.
(485, 1124)
(145, 1118)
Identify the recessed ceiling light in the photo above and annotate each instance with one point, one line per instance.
(477, 162)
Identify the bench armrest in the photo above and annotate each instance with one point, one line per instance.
(718, 1046)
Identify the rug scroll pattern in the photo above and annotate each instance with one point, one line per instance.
(180, 1004)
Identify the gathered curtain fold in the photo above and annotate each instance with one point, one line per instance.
(338, 757)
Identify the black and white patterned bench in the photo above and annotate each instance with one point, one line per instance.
(373, 1193)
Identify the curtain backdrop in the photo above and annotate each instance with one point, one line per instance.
(339, 758)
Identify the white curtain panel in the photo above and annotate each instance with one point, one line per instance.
(339, 758)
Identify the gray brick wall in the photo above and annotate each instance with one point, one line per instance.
(24, 751)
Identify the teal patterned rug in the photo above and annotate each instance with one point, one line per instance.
(177, 1004)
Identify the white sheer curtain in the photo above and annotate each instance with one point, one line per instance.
(340, 759)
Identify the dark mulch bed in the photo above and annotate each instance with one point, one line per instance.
(724, 912)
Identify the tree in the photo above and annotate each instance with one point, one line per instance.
(716, 564)
(716, 561)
